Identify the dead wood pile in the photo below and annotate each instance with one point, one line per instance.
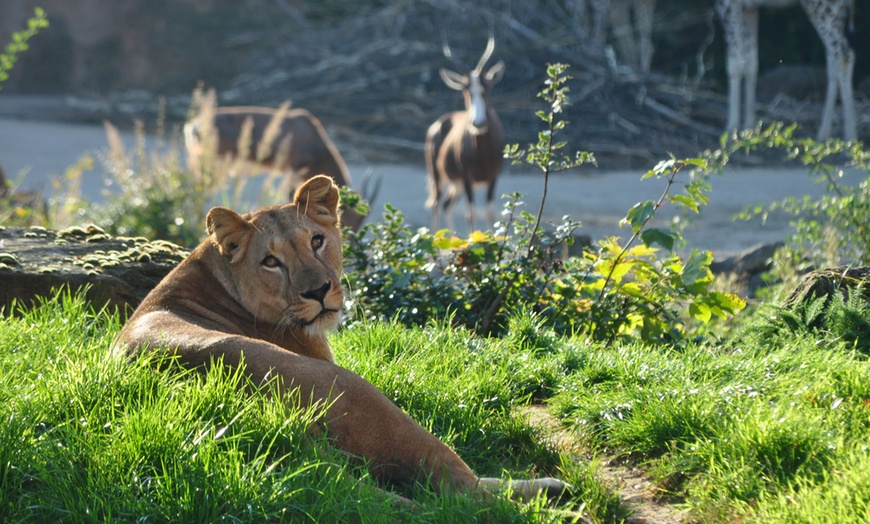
(373, 79)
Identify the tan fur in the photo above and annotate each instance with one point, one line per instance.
(225, 302)
(290, 141)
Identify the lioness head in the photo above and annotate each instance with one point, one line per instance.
(285, 260)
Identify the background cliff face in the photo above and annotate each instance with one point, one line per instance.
(95, 46)
(369, 68)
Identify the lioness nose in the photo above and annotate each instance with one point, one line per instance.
(317, 294)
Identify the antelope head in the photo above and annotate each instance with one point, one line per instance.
(475, 86)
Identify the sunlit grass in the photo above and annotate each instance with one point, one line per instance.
(89, 438)
(770, 429)
(731, 428)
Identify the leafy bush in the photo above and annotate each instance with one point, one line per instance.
(842, 316)
(19, 42)
(150, 192)
(20, 208)
(153, 196)
(639, 289)
(830, 230)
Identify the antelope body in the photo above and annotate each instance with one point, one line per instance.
(289, 141)
(465, 149)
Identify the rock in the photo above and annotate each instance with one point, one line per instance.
(116, 272)
(826, 282)
(745, 269)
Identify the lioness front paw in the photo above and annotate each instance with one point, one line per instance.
(526, 490)
(551, 487)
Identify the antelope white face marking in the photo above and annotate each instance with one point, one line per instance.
(477, 111)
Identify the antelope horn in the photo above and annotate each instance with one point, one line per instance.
(448, 54)
(370, 194)
(490, 46)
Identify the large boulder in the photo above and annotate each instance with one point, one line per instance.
(116, 272)
(829, 282)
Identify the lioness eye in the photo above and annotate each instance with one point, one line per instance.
(270, 261)
(317, 242)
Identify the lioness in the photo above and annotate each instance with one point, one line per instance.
(265, 286)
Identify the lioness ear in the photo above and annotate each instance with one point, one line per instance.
(318, 200)
(229, 231)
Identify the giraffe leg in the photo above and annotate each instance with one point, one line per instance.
(644, 14)
(731, 16)
(830, 19)
(839, 70)
(750, 65)
(830, 102)
(734, 83)
(850, 124)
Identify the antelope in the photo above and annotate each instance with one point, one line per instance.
(289, 141)
(464, 149)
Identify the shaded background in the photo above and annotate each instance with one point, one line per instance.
(369, 68)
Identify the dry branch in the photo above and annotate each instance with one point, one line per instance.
(365, 71)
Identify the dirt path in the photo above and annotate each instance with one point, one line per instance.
(635, 488)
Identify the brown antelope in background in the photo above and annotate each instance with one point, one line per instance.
(464, 149)
(288, 141)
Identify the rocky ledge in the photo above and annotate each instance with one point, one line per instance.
(116, 272)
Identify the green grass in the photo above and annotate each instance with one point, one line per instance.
(773, 429)
(87, 438)
(772, 425)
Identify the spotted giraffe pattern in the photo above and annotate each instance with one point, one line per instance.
(831, 20)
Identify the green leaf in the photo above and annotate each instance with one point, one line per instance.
(726, 301)
(687, 201)
(662, 237)
(639, 214)
(700, 311)
(697, 267)
(442, 241)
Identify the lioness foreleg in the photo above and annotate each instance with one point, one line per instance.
(360, 420)
(364, 422)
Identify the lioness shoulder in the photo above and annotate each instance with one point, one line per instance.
(271, 275)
